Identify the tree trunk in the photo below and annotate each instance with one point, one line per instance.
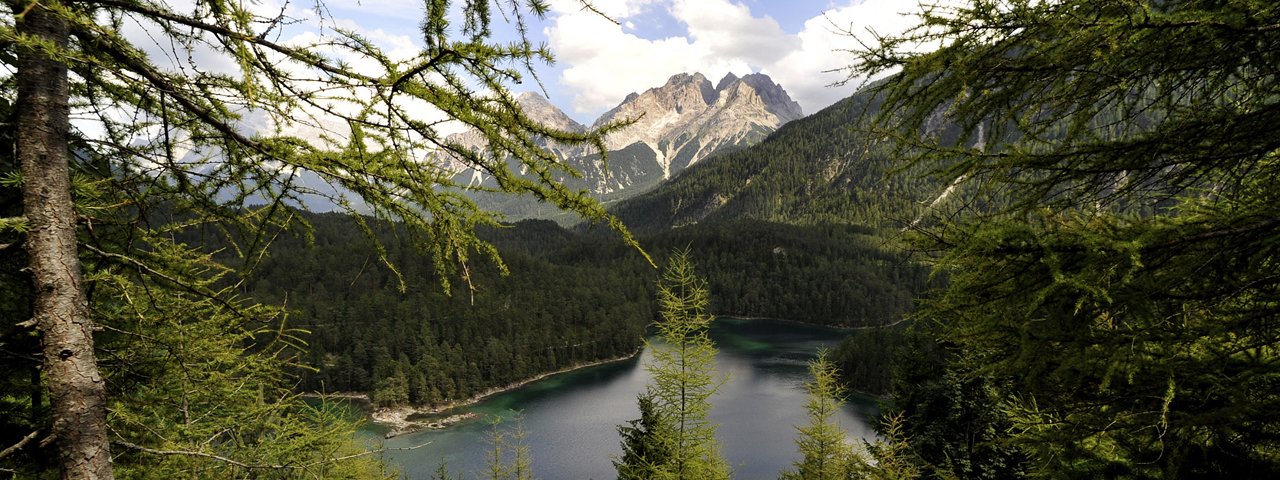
(76, 389)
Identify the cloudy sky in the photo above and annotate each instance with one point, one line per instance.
(792, 41)
(599, 62)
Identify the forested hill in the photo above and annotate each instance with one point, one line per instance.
(818, 169)
(422, 346)
(790, 228)
(570, 298)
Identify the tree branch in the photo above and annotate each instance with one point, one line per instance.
(21, 443)
(293, 53)
(184, 285)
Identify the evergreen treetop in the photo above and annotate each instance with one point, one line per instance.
(1110, 256)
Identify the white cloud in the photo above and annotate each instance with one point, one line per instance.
(807, 71)
(727, 30)
(603, 61)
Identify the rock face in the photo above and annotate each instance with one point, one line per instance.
(688, 119)
(675, 126)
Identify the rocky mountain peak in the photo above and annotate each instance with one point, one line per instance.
(776, 100)
(539, 108)
(674, 126)
(724, 82)
(687, 118)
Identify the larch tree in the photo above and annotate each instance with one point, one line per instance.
(181, 144)
(821, 442)
(684, 379)
(509, 456)
(823, 446)
(1111, 254)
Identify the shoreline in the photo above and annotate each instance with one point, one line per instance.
(397, 418)
(813, 324)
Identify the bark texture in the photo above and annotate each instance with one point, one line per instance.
(76, 389)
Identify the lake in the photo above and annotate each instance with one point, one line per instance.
(571, 419)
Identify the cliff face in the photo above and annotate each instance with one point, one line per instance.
(675, 126)
(688, 119)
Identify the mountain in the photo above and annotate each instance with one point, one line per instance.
(820, 169)
(688, 119)
(675, 126)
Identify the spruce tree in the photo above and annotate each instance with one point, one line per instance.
(642, 445)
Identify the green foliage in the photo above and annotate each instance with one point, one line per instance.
(829, 274)
(508, 456)
(865, 358)
(424, 347)
(364, 334)
(1111, 281)
(817, 170)
(197, 376)
(824, 453)
(643, 449)
(893, 456)
(198, 385)
(371, 148)
(951, 416)
(684, 379)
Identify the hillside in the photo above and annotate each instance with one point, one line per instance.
(675, 126)
(424, 347)
(818, 169)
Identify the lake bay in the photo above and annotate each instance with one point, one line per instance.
(571, 418)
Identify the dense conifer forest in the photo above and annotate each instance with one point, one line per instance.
(570, 298)
(1054, 236)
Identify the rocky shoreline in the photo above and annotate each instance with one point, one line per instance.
(397, 418)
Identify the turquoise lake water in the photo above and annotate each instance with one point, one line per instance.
(571, 418)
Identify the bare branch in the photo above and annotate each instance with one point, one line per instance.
(588, 6)
(21, 443)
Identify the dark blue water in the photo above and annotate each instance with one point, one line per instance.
(571, 418)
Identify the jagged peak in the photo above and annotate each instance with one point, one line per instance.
(696, 79)
(538, 107)
(726, 81)
(685, 78)
(532, 98)
(775, 97)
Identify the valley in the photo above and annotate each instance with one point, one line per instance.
(675, 239)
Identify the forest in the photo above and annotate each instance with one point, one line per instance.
(1067, 211)
(424, 347)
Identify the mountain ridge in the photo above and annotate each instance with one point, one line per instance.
(675, 125)
(822, 168)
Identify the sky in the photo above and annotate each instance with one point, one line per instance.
(599, 62)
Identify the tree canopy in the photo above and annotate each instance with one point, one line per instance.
(1110, 251)
(185, 115)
